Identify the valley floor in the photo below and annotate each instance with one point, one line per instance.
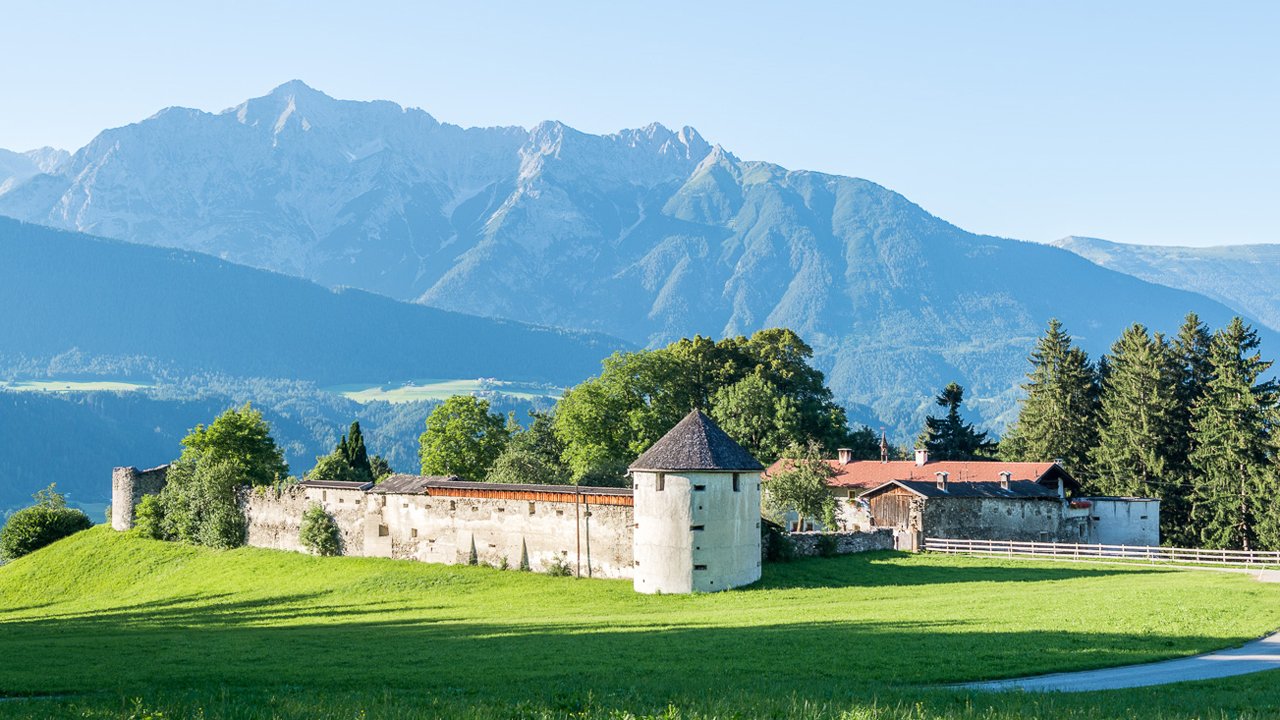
(111, 625)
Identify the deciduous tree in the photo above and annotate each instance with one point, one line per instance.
(462, 438)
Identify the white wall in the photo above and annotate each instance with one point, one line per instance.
(1124, 521)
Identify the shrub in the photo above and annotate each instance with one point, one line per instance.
(827, 545)
(778, 547)
(200, 504)
(148, 518)
(48, 521)
(319, 532)
(559, 567)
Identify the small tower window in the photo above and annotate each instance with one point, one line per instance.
(737, 486)
(662, 482)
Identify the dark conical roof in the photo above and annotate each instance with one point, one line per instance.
(696, 443)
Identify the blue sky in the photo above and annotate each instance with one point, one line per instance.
(1150, 122)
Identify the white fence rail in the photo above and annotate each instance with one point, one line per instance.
(1077, 551)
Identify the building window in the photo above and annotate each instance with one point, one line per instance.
(662, 482)
(384, 501)
(737, 485)
(324, 495)
(532, 508)
(453, 504)
(699, 567)
(699, 488)
(383, 531)
(697, 527)
(413, 532)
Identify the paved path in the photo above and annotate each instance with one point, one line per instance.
(1253, 657)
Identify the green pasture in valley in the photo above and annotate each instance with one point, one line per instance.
(110, 625)
(441, 389)
(71, 386)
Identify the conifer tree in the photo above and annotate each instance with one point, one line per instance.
(1190, 357)
(1234, 493)
(1058, 418)
(950, 437)
(1139, 441)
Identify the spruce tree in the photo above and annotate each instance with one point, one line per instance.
(1139, 441)
(950, 437)
(1058, 418)
(1190, 358)
(1234, 491)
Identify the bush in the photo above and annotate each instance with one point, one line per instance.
(48, 521)
(559, 567)
(148, 518)
(827, 545)
(200, 505)
(778, 547)
(319, 532)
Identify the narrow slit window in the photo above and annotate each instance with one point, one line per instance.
(533, 507)
(697, 527)
(413, 532)
(699, 488)
(699, 567)
(737, 486)
(383, 531)
(662, 482)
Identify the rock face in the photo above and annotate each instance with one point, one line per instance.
(648, 234)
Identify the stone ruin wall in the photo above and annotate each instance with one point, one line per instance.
(274, 516)
(128, 486)
(806, 543)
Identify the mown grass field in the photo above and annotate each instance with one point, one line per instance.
(111, 625)
(70, 386)
(440, 390)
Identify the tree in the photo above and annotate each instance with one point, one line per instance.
(242, 438)
(950, 437)
(462, 438)
(532, 455)
(1235, 486)
(1191, 358)
(200, 503)
(801, 486)
(1139, 435)
(1058, 417)
(318, 532)
(350, 461)
(608, 420)
(46, 522)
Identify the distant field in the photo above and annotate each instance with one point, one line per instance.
(442, 389)
(111, 625)
(70, 386)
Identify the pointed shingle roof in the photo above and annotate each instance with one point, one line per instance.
(697, 443)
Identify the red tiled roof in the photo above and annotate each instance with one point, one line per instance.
(867, 474)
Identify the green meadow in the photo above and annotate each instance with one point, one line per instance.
(441, 390)
(71, 386)
(105, 625)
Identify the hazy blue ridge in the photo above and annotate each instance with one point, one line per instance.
(193, 313)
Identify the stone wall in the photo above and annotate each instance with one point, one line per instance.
(1124, 521)
(847, 543)
(128, 486)
(989, 518)
(274, 517)
(502, 531)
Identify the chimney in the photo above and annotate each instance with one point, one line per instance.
(1005, 475)
(846, 456)
(942, 479)
(922, 457)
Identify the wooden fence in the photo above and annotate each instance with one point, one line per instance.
(1078, 551)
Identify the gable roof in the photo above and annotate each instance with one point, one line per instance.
(696, 443)
(1018, 489)
(867, 474)
(336, 484)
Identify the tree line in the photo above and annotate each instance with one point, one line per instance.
(1187, 419)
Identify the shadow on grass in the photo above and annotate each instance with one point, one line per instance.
(877, 569)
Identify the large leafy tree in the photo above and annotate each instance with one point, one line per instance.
(1058, 418)
(772, 397)
(1235, 491)
(800, 487)
(1139, 437)
(462, 438)
(241, 438)
(950, 437)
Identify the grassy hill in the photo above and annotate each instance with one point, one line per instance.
(116, 626)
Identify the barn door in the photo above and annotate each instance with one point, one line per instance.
(891, 511)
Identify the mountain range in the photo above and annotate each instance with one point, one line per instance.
(647, 235)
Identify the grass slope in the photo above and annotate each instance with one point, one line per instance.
(120, 626)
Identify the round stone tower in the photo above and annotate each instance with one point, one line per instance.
(697, 511)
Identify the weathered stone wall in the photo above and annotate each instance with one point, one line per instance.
(847, 543)
(274, 517)
(445, 529)
(1000, 519)
(128, 486)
